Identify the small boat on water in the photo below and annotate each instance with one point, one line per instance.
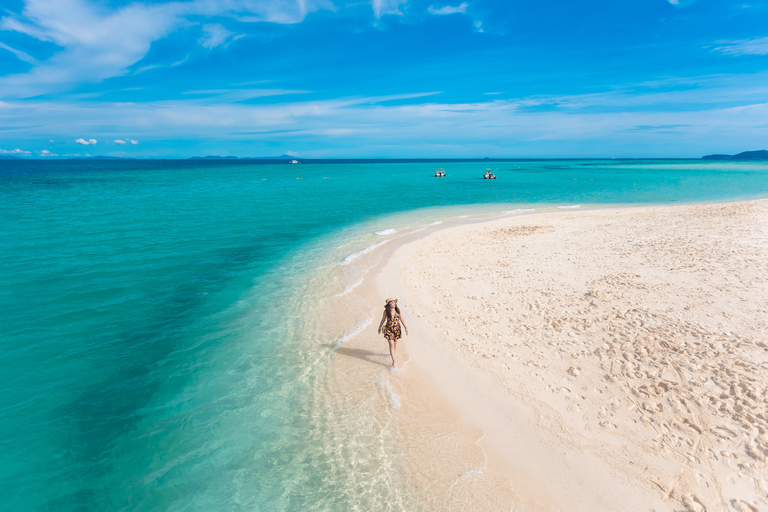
(489, 174)
(294, 162)
(440, 173)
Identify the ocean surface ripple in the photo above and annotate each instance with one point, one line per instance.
(159, 349)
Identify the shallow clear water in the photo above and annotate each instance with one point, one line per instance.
(159, 350)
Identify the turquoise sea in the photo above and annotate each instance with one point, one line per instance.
(160, 348)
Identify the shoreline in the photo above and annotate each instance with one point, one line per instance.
(455, 408)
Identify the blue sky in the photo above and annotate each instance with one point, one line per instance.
(383, 78)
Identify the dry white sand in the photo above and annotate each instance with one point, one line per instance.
(610, 359)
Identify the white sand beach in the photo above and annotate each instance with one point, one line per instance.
(609, 359)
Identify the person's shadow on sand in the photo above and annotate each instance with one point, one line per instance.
(359, 353)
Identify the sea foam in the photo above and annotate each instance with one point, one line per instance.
(352, 257)
(354, 331)
(394, 399)
(520, 210)
(477, 472)
(350, 287)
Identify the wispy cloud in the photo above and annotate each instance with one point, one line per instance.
(14, 152)
(448, 9)
(147, 68)
(121, 142)
(19, 54)
(681, 3)
(757, 46)
(235, 94)
(382, 7)
(179, 62)
(95, 43)
(258, 11)
(377, 100)
(215, 35)
(45, 152)
(89, 142)
(651, 119)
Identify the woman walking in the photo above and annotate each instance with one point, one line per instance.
(393, 319)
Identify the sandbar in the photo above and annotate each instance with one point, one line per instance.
(597, 359)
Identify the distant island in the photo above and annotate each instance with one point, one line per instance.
(746, 155)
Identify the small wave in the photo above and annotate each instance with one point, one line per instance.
(390, 231)
(394, 399)
(567, 207)
(352, 257)
(355, 331)
(462, 216)
(477, 472)
(519, 210)
(436, 223)
(350, 287)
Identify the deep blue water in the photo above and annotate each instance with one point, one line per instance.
(151, 356)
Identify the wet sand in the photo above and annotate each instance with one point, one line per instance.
(611, 359)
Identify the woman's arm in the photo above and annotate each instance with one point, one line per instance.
(383, 318)
(403, 322)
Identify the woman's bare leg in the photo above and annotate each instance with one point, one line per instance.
(392, 348)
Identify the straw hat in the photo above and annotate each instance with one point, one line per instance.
(389, 299)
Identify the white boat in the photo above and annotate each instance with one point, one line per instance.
(294, 162)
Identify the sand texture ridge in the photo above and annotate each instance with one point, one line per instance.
(609, 359)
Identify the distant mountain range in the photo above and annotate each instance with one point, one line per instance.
(746, 155)
(209, 157)
(216, 157)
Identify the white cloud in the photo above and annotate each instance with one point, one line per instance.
(88, 142)
(382, 7)
(259, 11)
(45, 152)
(134, 142)
(146, 68)
(179, 62)
(459, 9)
(757, 46)
(681, 3)
(478, 25)
(241, 94)
(19, 54)
(96, 43)
(14, 152)
(121, 142)
(216, 35)
(677, 117)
